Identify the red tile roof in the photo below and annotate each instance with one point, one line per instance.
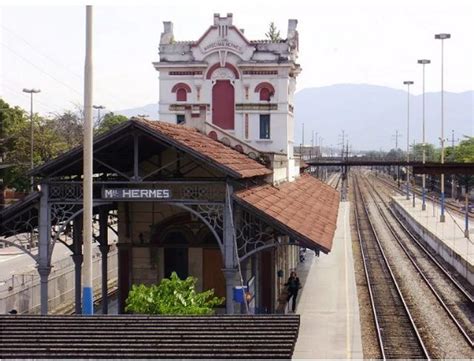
(229, 160)
(305, 209)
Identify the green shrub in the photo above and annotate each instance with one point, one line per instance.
(172, 296)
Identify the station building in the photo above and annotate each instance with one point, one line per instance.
(212, 190)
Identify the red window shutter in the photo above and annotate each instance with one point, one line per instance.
(265, 94)
(181, 95)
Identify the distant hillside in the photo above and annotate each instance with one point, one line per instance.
(371, 114)
(150, 110)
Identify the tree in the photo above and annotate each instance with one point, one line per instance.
(464, 153)
(432, 154)
(109, 121)
(70, 127)
(172, 296)
(52, 136)
(273, 33)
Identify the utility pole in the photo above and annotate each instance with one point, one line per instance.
(423, 62)
(99, 108)
(413, 178)
(408, 83)
(453, 177)
(343, 143)
(302, 141)
(396, 136)
(31, 92)
(87, 289)
(442, 37)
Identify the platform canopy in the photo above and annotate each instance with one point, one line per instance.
(305, 209)
(155, 136)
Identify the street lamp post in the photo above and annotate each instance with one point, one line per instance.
(99, 108)
(31, 92)
(408, 83)
(442, 37)
(423, 195)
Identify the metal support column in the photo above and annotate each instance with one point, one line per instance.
(230, 267)
(104, 250)
(44, 264)
(78, 259)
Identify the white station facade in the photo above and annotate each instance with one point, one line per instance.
(238, 91)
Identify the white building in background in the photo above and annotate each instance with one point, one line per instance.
(236, 90)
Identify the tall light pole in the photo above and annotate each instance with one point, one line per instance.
(408, 83)
(99, 108)
(31, 92)
(423, 191)
(87, 289)
(442, 37)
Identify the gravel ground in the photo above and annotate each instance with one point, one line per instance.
(441, 337)
(370, 346)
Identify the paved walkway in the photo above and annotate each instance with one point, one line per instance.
(451, 232)
(329, 308)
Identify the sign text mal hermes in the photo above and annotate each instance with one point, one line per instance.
(224, 43)
(131, 193)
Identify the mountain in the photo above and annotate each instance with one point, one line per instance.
(371, 114)
(150, 110)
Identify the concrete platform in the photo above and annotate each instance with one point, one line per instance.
(446, 239)
(329, 309)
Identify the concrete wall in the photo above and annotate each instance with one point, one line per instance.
(438, 246)
(23, 291)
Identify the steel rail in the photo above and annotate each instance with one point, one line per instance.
(449, 205)
(427, 252)
(397, 237)
(378, 328)
(419, 340)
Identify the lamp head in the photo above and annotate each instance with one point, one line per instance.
(408, 82)
(442, 36)
(30, 91)
(424, 61)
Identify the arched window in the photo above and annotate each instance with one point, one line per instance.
(181, 90)
(265, 94)
(265, 91)
(181, 95)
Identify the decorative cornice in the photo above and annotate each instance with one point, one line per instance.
(256, 106)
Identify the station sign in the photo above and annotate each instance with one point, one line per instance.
(135, 193)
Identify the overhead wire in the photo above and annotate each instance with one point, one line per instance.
(107, 93)
(41, 70)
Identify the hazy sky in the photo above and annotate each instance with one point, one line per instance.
(354, 41)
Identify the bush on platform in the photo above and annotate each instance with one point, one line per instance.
(173, 296)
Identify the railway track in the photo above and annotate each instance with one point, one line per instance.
(454, 298)
(448, 205)
(397, 333)
(335, 180)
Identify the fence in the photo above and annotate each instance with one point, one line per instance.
(22, 291)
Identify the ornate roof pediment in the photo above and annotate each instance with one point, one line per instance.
(223, 38)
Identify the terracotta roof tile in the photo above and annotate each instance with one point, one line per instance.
(237, 164)
(306, 209)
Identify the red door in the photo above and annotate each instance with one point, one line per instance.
(223, 104)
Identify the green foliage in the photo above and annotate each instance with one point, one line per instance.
(51, 136)
(463, 152)
(432, 154)
(109, 121)
(396, 154)
(273, 33)
(172, 296)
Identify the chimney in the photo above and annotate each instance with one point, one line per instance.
(167, 36)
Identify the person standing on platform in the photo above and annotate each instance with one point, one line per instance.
(293, 285)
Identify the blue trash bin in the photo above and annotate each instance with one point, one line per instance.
(239, 293)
